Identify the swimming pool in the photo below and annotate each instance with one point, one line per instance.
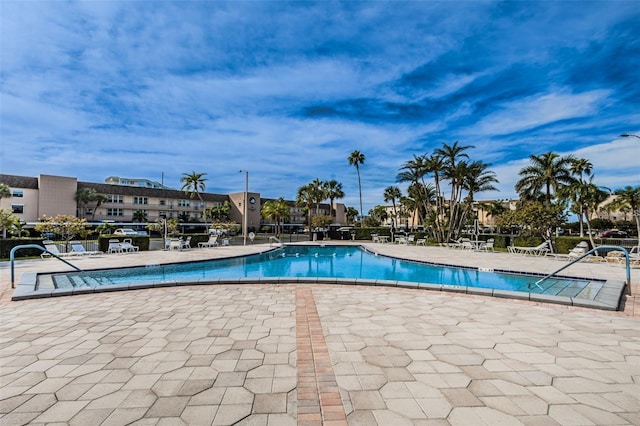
(336, 264)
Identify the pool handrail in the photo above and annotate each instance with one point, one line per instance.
(622, 249)
(34, 246)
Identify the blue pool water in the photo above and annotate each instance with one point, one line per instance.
(324, 262)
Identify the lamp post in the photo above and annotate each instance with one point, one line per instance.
(246, 202)
(630, 135)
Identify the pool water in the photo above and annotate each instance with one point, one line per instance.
(347, 262)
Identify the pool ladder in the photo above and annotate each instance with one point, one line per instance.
(34, 246)
(622, 249)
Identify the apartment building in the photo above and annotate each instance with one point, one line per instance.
(33, 197)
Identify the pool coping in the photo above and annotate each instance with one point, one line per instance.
(608, 297)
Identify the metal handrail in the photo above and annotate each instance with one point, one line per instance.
(622, 249)
(34, 246)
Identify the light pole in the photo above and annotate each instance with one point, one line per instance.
(246, 201)
(630, 135)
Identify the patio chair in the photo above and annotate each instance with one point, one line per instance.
(538, 250)
(127, 245)
(175, 244)
(466, 244)
(114, 246)
(421, 242)
(581, 248)
(77, 249)
(487, 245)
(52, 248)
(213, 241)
(186, 244)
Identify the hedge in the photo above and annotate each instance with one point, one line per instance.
(6, 245)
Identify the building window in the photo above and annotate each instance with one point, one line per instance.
(115, 212)
(17, 208)
(163, 202)
(184, 203)
(17, 193)
(162, 215)
(140, 200)
(117, 199)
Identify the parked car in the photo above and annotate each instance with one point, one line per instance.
(125, 231)
(613, 233)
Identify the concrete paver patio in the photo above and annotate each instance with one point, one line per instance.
(314, 354)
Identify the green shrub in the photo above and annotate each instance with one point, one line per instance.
(6, 245)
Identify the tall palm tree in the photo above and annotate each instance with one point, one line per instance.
(547, 174)
(356, 159)
(333, 190)
(391, 194)
(579, 167)
(476, 179)
(276, 210)
(139, 216)
(193, 184)
(318, 192)
(305, 197)
(453, 171)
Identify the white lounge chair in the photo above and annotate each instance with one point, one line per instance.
(213, 241)
(127, 245)
(114, 246)
(487, 245)
(186, 244)
(466, 244)
(175, 244)
(77, 249)
(52, 248)
(539, 250)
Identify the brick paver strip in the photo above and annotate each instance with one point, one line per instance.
(318, 396)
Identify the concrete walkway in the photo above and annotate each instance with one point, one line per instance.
(314, 354)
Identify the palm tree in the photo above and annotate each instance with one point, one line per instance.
(548, 172)
(351, 214)
(276, 210)
(391, 194)
(378, 214)
(305, 197)
(333, 190)
(318, 192)
(356, 159)
(629, 197)
(476, 179)
(193, 183)
(83, 197)
(579, 167)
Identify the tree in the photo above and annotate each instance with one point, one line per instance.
(351, 214)
(5, 192)
(333, 190)
(356, 159)
(86, 197)
(533, 218)
(66, 226)
(218, 213)
(7, 221)
(629, 197)
(547, 174)
(305, 197)
(193, 183)
(139, 216)
(476, 179)
(392, 194)
(318, 193)
(378, 215)
(276, 210)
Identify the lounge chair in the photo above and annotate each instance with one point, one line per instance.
(186, 244)
(52, 248)
(79, 250)
(213, 241)
(581, 248)
(466, 244)
(421, 242)
(175, 244)
(127, 245)
(487, 245)
(114, 246)
(539, 250)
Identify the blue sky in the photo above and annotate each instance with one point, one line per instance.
(287, 90)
